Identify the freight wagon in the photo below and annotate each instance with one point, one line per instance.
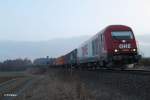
(59, 61)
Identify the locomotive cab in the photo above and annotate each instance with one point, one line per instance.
(123, 48)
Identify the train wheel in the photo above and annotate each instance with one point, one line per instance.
(101, 64)
(109, 65)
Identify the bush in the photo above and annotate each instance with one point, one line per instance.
(145, 62)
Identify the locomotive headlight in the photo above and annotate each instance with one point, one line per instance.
(116, 50)
(134, 50)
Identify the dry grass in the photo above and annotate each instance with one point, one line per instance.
(57, 87)
(5, 76)
(74, 90)
(3, 79)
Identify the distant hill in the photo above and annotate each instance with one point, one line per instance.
(32, 50)
(54, 47)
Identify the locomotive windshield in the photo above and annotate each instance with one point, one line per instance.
(126, 35)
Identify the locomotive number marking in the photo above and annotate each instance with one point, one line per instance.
(122, 46)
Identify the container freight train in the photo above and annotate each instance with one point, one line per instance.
(114, 46)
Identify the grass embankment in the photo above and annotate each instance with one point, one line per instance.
(57, 86)
(5, 76)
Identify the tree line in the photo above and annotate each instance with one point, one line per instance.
(23, 64)
(15, 65)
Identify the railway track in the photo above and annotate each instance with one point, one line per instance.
(126, 71)
(111, 70)
(12, 88)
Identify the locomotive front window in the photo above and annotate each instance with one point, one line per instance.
(126, 35)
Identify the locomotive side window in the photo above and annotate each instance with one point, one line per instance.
(101, 38)
(95, 46)
(122, 35)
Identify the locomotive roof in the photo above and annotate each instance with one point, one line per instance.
(100, 32)
(114, 26)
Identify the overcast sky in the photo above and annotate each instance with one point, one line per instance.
(34, 20)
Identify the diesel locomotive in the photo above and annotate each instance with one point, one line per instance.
(114, 46)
